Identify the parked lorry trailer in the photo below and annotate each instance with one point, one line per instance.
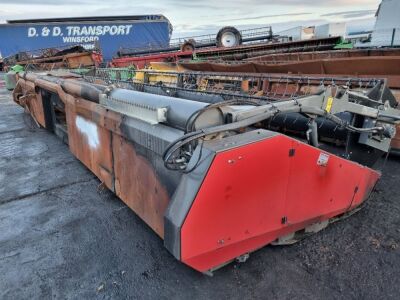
(109, 33)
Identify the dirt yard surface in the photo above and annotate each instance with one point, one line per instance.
(64, 237)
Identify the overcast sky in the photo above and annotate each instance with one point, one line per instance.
(206, 16)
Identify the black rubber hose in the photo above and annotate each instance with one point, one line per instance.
(190, 137)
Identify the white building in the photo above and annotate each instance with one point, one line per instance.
(297, 33)
(387, 25)
(330, 30)
(305, 33)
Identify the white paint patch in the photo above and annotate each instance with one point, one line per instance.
(323, 159)
(88, 129)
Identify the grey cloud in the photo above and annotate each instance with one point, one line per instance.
(267, 16)
(204, 4)
(256, 4)
(185, 30)
(181, 12)
(172, 3)
(351, 14)
(48, 2)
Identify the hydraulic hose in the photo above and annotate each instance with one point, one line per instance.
(193, 136)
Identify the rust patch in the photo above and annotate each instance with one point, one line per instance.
(380, 67)
(396, 140)
(136, 183)
(331, 54)
(91, 144)
(71, 61)
(24, 94)
(35, 105)
(78, 60)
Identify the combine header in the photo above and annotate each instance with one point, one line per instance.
(140, 59)
(55, 58)
(218, 179)
(163, 79)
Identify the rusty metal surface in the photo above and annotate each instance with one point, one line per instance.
(142, 61)
(79, 60)
(137, 184)
(315, 55)
(72, 61)
(91, 144)
(264, 86)
(26, 96)
(62, 238)
(271, 86)
(51, 58)
(234, 53)
(247, 51)
(120, 153)
(87, 141)
(352, 66)
(62, 84)
(96, 139)
(396, 140)
(382, 67)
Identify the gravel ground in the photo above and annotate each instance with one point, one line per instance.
(62, 236)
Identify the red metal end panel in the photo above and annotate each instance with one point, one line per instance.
(256, 193)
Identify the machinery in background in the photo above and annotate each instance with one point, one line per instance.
(228, 44)
(10, 78)
(55, 58)
(226, 37)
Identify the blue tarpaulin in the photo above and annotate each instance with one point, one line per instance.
(108, 35)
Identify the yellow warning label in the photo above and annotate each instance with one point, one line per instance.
(329, 104)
